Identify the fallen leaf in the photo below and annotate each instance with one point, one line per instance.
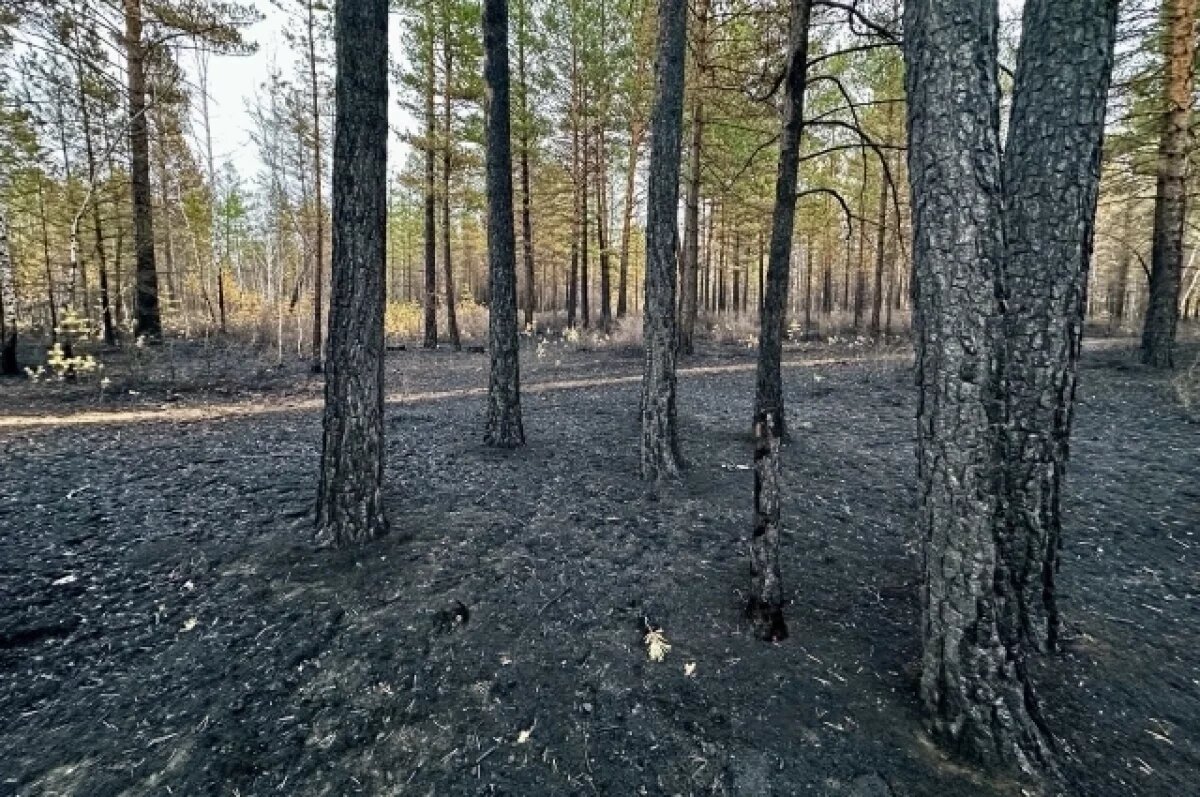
(190, 623)
(70, 578)
(689, 669)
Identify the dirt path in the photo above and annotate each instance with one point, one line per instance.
(164, 623)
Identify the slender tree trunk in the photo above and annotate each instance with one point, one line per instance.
(1051, 180)
(768, 400)
(765, 606)
(430, 341)
(350, 501)
(974, 688)
(635, 144)
(690, 265)
(602, 239)
(585, 286)
(318, 180)
(526, 199)
(447, 132)
(9, 365)
(660, 455)
(149, 325)
(573, 277)
(504, 427)
(880, 254)
(1170, 199)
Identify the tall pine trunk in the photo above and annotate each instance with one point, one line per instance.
(350, 500)
(636, 131)
(1051, 180)
(504, 428)
(526, 199)
(148, 320)
(974, 689)
(768, 399)
(1170, 198)
(318, 179)
(660, 456)
(430, 231)
(447, 132)
(690, 256)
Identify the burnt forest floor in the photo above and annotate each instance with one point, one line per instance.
(167, 628)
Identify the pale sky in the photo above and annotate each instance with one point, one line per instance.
(233, 81)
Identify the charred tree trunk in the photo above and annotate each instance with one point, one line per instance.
(504, 428)
(431, 336)
(976, 696)
(1051, 180)
(660, 456)
(768, 399)
(350, 502)
(447, 132)
(1170, 199)
(765, 606)
(149, 323)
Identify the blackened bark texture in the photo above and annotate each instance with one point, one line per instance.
(768, 399)
(447, 162)
(430, 233)
(765, 606)
(976, 697)
(8, 305)
(504, 429)
(1051, 180)
(660, 456)
(146, 314)
(1170, 198)
(350, 502)
(690, 256)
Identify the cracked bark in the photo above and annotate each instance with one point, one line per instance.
(1051, 181)
(504, 427)
(773, 325)
(660, 456)
(1170, 198)
(974, 689)
(350, 499)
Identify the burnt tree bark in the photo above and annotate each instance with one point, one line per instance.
(765, 606)
(768, 398)
(974, 688)
(1051, 181)
(350, 500)
(146, 312)
(1170, 198)
(504, 428)
(660, 456)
